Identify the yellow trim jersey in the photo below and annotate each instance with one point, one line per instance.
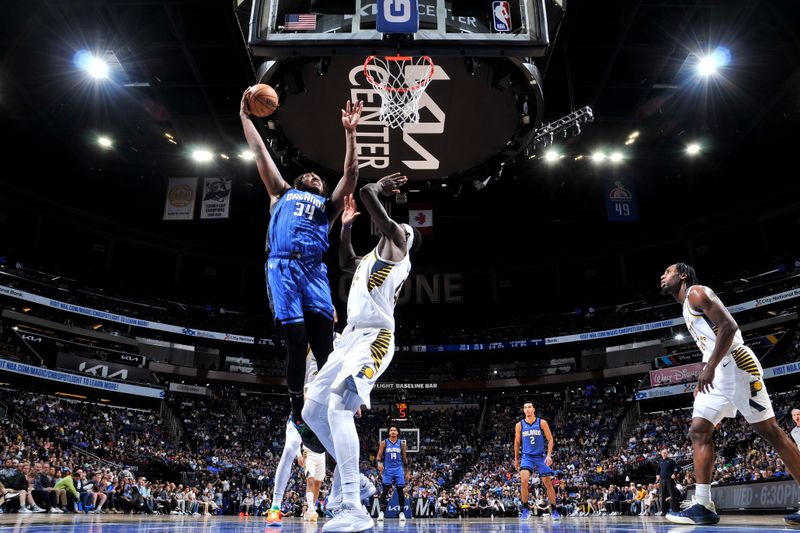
(704, 331)
(374, 291)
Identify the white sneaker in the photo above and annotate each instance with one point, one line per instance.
(56, 510)
(23, 509)
(310, 516)
(366, 488)
(402, 517)
(349, 520)
(37, 509)
(380, 516)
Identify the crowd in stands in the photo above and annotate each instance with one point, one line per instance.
(226, 461)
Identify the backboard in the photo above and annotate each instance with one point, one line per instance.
(514, 28)
(408, 435)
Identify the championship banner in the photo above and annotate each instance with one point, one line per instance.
(675, 374)
(216, 198)
(620, 200)
(179, 204)
(79, 380)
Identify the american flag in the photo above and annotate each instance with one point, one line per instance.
(305, 21)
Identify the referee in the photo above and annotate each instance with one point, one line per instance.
(667, 469)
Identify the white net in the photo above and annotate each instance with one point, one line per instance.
(401, 81)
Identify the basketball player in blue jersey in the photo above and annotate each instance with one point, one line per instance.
(531, 432)
(393, 465)
(731, 381)
(301, 216)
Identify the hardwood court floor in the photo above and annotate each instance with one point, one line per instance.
(42, 523)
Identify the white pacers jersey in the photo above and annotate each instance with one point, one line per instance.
(374, 291)
(704, 331)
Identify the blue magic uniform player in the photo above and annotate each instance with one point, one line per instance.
(301, 216)
(531, 432)
(392, 463)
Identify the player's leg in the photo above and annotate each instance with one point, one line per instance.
(287, 302)
(400, 487)
(709, 410)
(317, 309)
(524, 482)
(291, 447)
(318, 394)
(344, 402)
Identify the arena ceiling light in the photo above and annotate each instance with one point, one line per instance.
(552, 156)
(693, 149)
(710, 64)
(202, 156)
(246, 155)
(616, 157)
(105, 142)
(598, 157)
(679, 337)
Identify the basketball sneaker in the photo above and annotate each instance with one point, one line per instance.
(380, 516)
(350, 519)
(366, 488)
(402, 516)
(555, 515)
(525, 514)
(792, 519)
(274, 517)
(310, 516)
(310, 440)
(694, 513)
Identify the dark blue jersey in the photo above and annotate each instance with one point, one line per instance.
(393, 456)
(532, 438)
(299, 226)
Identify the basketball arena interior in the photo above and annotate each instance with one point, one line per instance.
(560, 162)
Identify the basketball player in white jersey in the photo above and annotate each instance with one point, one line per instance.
(731, 380)
(366, 347)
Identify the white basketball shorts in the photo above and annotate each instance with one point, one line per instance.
(361, 354)
(738, 386)
(315, 464)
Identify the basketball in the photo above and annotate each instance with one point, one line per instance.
(263, 100)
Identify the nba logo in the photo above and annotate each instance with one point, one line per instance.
(501, 13)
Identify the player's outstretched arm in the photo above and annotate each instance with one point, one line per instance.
(388, 186)
(517, 443)
(267, 170)
(351, 114)
(348, 260)
(704, 300)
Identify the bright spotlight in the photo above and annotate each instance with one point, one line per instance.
(693, 149)
(105, 142)
(598, 157)
(97, 68)
(247, 155)
(202, 156)
(616, 157)
(551, 156)
(679, 337)
(710, 64)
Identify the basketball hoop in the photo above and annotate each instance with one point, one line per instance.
(400, 80)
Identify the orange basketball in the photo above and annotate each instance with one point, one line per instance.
(263, 100)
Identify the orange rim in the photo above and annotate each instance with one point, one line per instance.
(423, 82)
